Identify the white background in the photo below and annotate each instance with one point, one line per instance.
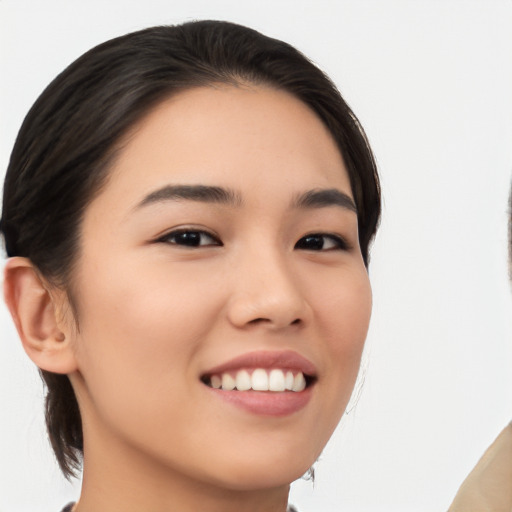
(431, 82)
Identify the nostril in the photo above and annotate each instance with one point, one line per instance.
(255, 321)
(258, 320)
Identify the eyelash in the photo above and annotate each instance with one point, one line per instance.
(195, 236)
(338, 242)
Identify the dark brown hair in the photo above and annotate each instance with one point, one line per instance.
(62, 153)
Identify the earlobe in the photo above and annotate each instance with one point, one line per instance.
(44, 335)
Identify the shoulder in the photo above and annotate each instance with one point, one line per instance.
(69, 507)
(489, 485)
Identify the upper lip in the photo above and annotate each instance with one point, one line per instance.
(287, 359)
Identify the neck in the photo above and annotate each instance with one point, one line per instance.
(118, 477)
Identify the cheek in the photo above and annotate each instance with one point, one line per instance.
(343, 307)
(141, 332)
(140, 304)
(344, 315)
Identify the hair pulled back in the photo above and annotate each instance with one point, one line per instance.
(61, 157)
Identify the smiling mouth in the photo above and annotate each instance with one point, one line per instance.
(275, 380)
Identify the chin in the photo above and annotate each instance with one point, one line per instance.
(270, 477)
(261, 472)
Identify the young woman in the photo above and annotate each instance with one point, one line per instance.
(187, 214)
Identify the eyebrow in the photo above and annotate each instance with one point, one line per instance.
(323, 198)
(201, 193)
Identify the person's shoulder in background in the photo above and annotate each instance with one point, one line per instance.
(488, 488)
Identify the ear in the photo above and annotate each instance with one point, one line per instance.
(37, 309)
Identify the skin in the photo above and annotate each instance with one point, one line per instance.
(154, 315)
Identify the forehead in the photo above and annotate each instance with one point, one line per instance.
(233, 136)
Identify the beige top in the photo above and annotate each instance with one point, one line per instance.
(488, 488)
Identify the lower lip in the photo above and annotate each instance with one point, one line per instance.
(266, 403)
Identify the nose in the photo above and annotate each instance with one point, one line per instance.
(267, 291)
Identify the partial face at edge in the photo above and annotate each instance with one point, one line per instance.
(209, 243)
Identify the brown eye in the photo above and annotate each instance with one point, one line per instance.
(321, 242)
(190, 238)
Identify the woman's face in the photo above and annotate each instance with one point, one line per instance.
(222, 251)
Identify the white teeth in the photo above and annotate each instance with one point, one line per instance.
(275, 380)
(299, 382)
(216, 382)
(228, 383)
(243, 380)
(259, 380)
(288, 383)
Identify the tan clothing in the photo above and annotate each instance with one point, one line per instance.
(69, 508)
(488, 488)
